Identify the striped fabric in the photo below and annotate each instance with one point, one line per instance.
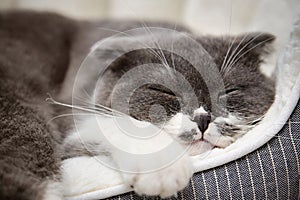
(270, 172)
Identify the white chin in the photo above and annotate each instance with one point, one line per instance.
(199, 147)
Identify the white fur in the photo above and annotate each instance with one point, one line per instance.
(86, 174)
(164, 182)
(200, 111)
(288, 72)
(180, 123)
(148, 176)
(213, 136)
(165, 175)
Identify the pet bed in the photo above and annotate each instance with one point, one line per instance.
(264, 164)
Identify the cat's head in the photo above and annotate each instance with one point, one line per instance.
(207, 94)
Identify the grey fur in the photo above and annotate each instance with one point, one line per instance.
(72, 149)
(247, 92)
(41, 53)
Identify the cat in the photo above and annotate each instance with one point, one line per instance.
(45, 57)
(143, 74)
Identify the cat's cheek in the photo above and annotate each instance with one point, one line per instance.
(179, 124)
(213, 135)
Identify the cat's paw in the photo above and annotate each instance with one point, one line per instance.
(213, 136)
(164, 182)
(222, 141)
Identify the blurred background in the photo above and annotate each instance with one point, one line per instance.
(208, 16)
(202, 16)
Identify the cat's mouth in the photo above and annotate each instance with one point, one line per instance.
(212, 137)
(199, 146)
(198, 140)
(202, 140)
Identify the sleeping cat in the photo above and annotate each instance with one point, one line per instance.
(163, 95)
(174, 94)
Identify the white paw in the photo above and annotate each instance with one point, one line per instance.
(223, 141)
(213, 136)
(164, 182)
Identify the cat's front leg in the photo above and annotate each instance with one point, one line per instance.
(149, 160)
(164, 182)
(157, 166)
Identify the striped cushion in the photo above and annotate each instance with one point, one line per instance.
(270, 172)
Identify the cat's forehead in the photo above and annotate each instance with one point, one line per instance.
(163, 39)
(215, 58)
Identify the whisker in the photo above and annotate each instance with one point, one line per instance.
(172, 56)
(233, 61)
(81, 100)
(172, 48)
(89, 105)
(230, 16)
(156, 43)
(160, 55)
(260, 43)
(226, 56)
(109, 109)
(87, 94)
(231, 43)
(144, 25)
(225, 68)
(67, 115)
(100, 110)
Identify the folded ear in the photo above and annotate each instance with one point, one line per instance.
(252, 44)
(247, 49)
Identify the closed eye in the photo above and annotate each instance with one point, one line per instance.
(162, 90)
(232, 90)
(228, 92)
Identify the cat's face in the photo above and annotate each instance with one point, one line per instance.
(167, 90)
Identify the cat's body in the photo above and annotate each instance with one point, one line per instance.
(45, 57)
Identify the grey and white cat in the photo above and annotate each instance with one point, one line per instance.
(148, 83)
(41, 53)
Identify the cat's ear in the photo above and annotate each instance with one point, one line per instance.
(246, 50)
(249, 48)
(251, 45)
